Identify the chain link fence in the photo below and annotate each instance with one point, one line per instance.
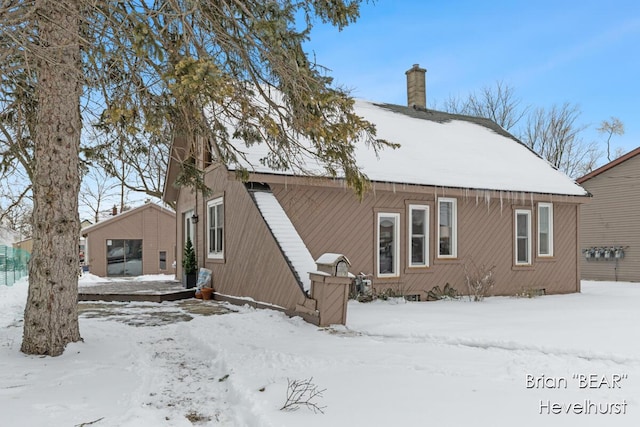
(13, 265)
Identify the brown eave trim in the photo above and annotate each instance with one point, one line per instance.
(282, 179)
(126, 214)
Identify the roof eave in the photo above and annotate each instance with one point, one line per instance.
(125, 214)
(178, 149)
(320, 181)
(609, 165)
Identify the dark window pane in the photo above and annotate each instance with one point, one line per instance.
(387, 245)
(417, 250)
(124, 257)
(523, 256)
(163, 260)
(417, 221)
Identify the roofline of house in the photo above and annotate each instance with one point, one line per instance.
(609, 165)
(319, 181)
(443, 116)
(125, 214)
(178, 153)
(171, 192)
(179, 146)
(423, 113)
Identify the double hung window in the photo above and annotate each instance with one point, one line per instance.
(522, 237)
(215, 227)
(447, 228)
(388, 244)
(418, 236)
(545, 229)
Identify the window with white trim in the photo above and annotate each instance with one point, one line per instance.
(545, 229)
(215, 226)
(522, 231)
(388, 245)
(447, 228)
(418, 236)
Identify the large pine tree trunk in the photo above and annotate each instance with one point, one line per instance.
(51, 316)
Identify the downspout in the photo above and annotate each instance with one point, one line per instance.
(195, 227)
(204, 240)
(204, 250)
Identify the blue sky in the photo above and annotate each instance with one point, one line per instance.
(551, 52)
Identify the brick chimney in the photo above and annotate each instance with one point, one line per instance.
(416, 87)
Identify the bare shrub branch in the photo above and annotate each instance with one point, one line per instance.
(479, 280)
(303, 393)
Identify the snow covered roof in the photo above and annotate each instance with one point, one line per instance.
(443, 150)
(112, 219)
(7, 236)
(286, 235)
(329, 258)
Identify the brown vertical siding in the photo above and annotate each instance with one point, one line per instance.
(331, 295)
(185, 203)
(333, 220)
(151, 236)
(253, 265)
(612, 218)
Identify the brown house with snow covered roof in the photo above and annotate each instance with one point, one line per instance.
(460, 191)
(610, 224)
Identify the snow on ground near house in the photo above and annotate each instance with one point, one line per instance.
(446, 363)
(88, 279)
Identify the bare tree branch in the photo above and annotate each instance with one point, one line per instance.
(610, 128)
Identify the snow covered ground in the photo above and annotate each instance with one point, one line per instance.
(552, 361)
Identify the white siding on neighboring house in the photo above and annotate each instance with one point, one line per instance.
(611, 220)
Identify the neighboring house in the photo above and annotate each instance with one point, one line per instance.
(25, 245)
(460, 191)
(136, 242)
(610, 223)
